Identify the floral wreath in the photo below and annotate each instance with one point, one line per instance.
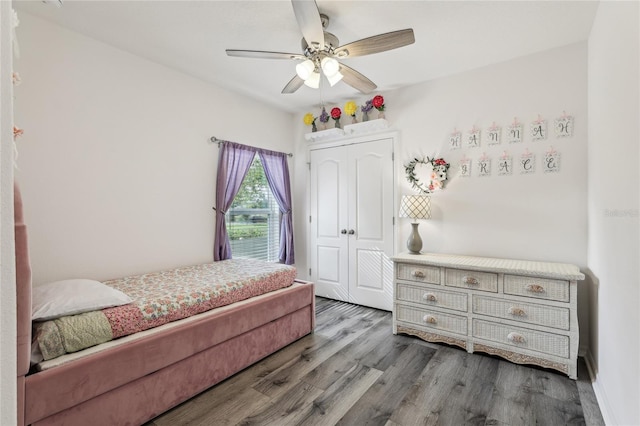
(438, 175)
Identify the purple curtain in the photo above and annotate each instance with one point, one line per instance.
(233, 163)
(276, 170)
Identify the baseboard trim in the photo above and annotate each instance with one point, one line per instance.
(582, 351)
(601, 396)
(591, 365)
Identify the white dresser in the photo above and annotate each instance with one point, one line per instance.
(523, 311)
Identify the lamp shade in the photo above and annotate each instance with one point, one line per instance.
(334, 78)
(415, 206)
(313, 81)
(304, 69)
(329, 66)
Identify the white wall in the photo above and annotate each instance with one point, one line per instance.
(116, 167)
(8, 400)
(614, 234)
(537, 217)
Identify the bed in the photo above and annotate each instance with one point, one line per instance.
(132, 378)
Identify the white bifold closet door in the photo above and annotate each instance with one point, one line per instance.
(352, 221)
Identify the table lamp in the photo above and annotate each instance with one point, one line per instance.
(415, 207)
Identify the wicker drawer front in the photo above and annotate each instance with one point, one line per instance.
(431, 297)
(532, 313)
(541, 288)
(419, 273)
(474, 280)
(432, 319)
(517, 337)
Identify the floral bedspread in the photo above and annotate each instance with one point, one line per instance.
(162, 297)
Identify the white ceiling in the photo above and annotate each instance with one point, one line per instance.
(451, 37)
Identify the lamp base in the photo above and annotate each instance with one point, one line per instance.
(414, 243)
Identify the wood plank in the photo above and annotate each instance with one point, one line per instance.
(286, 409)
(455, 388)
(231, 400)
(329, 407)
(530, 396)
(377, 348)
(351, 328)
(511, 402)
(346, 318)
(213, 409)
(557, 400)
(378, 403)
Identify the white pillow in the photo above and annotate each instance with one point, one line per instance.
(70, 297)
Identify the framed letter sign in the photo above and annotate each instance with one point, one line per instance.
(484, 166)
(473, 138)
(505, 165)
(551, 162)
(455, 140)
(493, 134)
(527, 163)
(465, 168)
(539, 129)
(515, 132)
(564, 126)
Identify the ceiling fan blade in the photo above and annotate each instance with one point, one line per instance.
(259, 54)
(295, 83)
(376, 44)
(309, 21)
(356, 80)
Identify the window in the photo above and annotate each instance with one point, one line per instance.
(253, 221)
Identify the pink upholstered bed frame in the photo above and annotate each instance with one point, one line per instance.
(133, 383)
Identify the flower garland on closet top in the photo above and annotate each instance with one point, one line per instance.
(438, 176)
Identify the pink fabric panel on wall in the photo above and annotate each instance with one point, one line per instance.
(23, 284)
(23, 299)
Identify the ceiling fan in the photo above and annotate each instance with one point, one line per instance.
(321, 51)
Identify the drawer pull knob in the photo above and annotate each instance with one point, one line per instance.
(470, 280)
(517, 312)
(430, 297)
(430, 319)
(535, 288)
(516, 337)
(418, 274)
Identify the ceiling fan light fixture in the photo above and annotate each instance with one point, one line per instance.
(313, 81)
(329, 66)
(334, 78)
(305, 69)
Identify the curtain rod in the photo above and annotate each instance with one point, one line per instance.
(219, 141)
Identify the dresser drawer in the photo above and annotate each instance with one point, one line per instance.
(541, 288)
(519, 337)
(531, 313)
(419, 273)
(431, 297)
(432, 319)
(474, 280)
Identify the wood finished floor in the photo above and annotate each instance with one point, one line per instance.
(354, 371)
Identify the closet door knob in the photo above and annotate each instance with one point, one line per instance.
(351, 232)
(344, 231)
